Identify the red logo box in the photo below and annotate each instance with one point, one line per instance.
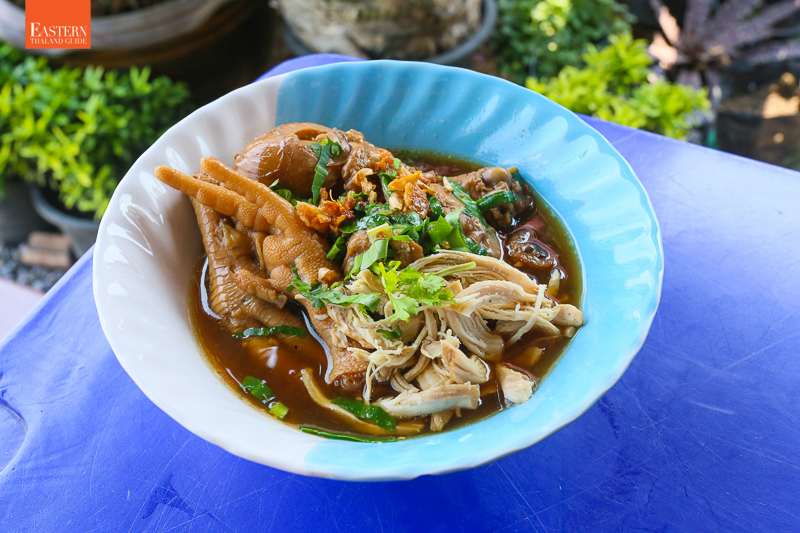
(58, 24)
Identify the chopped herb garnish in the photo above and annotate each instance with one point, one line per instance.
(320, 296)
(263, 332)
(289, 196)
(338, 249)
(278, 410)
(438, 230)
(496, 198)
(408, 288)
(395, 333)
(349, 227)
(376, 252)
(385, 181)
(367, 412)
(436, 206)
(404, 307)
(286, 194)
(470, 206)
(342, 436)
(259, 389)
(457, 240)
(455, 269)
(323, 151)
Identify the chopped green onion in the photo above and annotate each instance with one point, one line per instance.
(259, 389)
(397, 164)
(439, 230)
(279, 410)
(395, 333)
(455, 269)
(323, 151)
(496, 198)
(340, 245)
(385, 181)
(436, 206)
(250, 382)
(368, 412)
(376, 252)
(341, 436)
(457, 240)
(263, 332)
(470, 206)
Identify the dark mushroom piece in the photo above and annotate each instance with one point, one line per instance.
(525, 250)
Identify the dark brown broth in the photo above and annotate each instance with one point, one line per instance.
(279, 362)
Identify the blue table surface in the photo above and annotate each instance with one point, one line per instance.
(700, 434)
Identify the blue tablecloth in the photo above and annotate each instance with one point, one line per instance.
(702, 433)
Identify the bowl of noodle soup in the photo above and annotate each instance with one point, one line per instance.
(148, 249)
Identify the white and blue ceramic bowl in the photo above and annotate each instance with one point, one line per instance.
(149, 243)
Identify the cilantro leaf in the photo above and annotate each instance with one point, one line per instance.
(320, 296)
(408, 288)
(436, 206)
(405, 307)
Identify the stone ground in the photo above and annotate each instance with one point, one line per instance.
(36, 277)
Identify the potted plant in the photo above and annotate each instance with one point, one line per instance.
(17, 215)
(739, 50)
(438, 32)
(540, 37)
(617, 84)
(181, 39)
(73, 133)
